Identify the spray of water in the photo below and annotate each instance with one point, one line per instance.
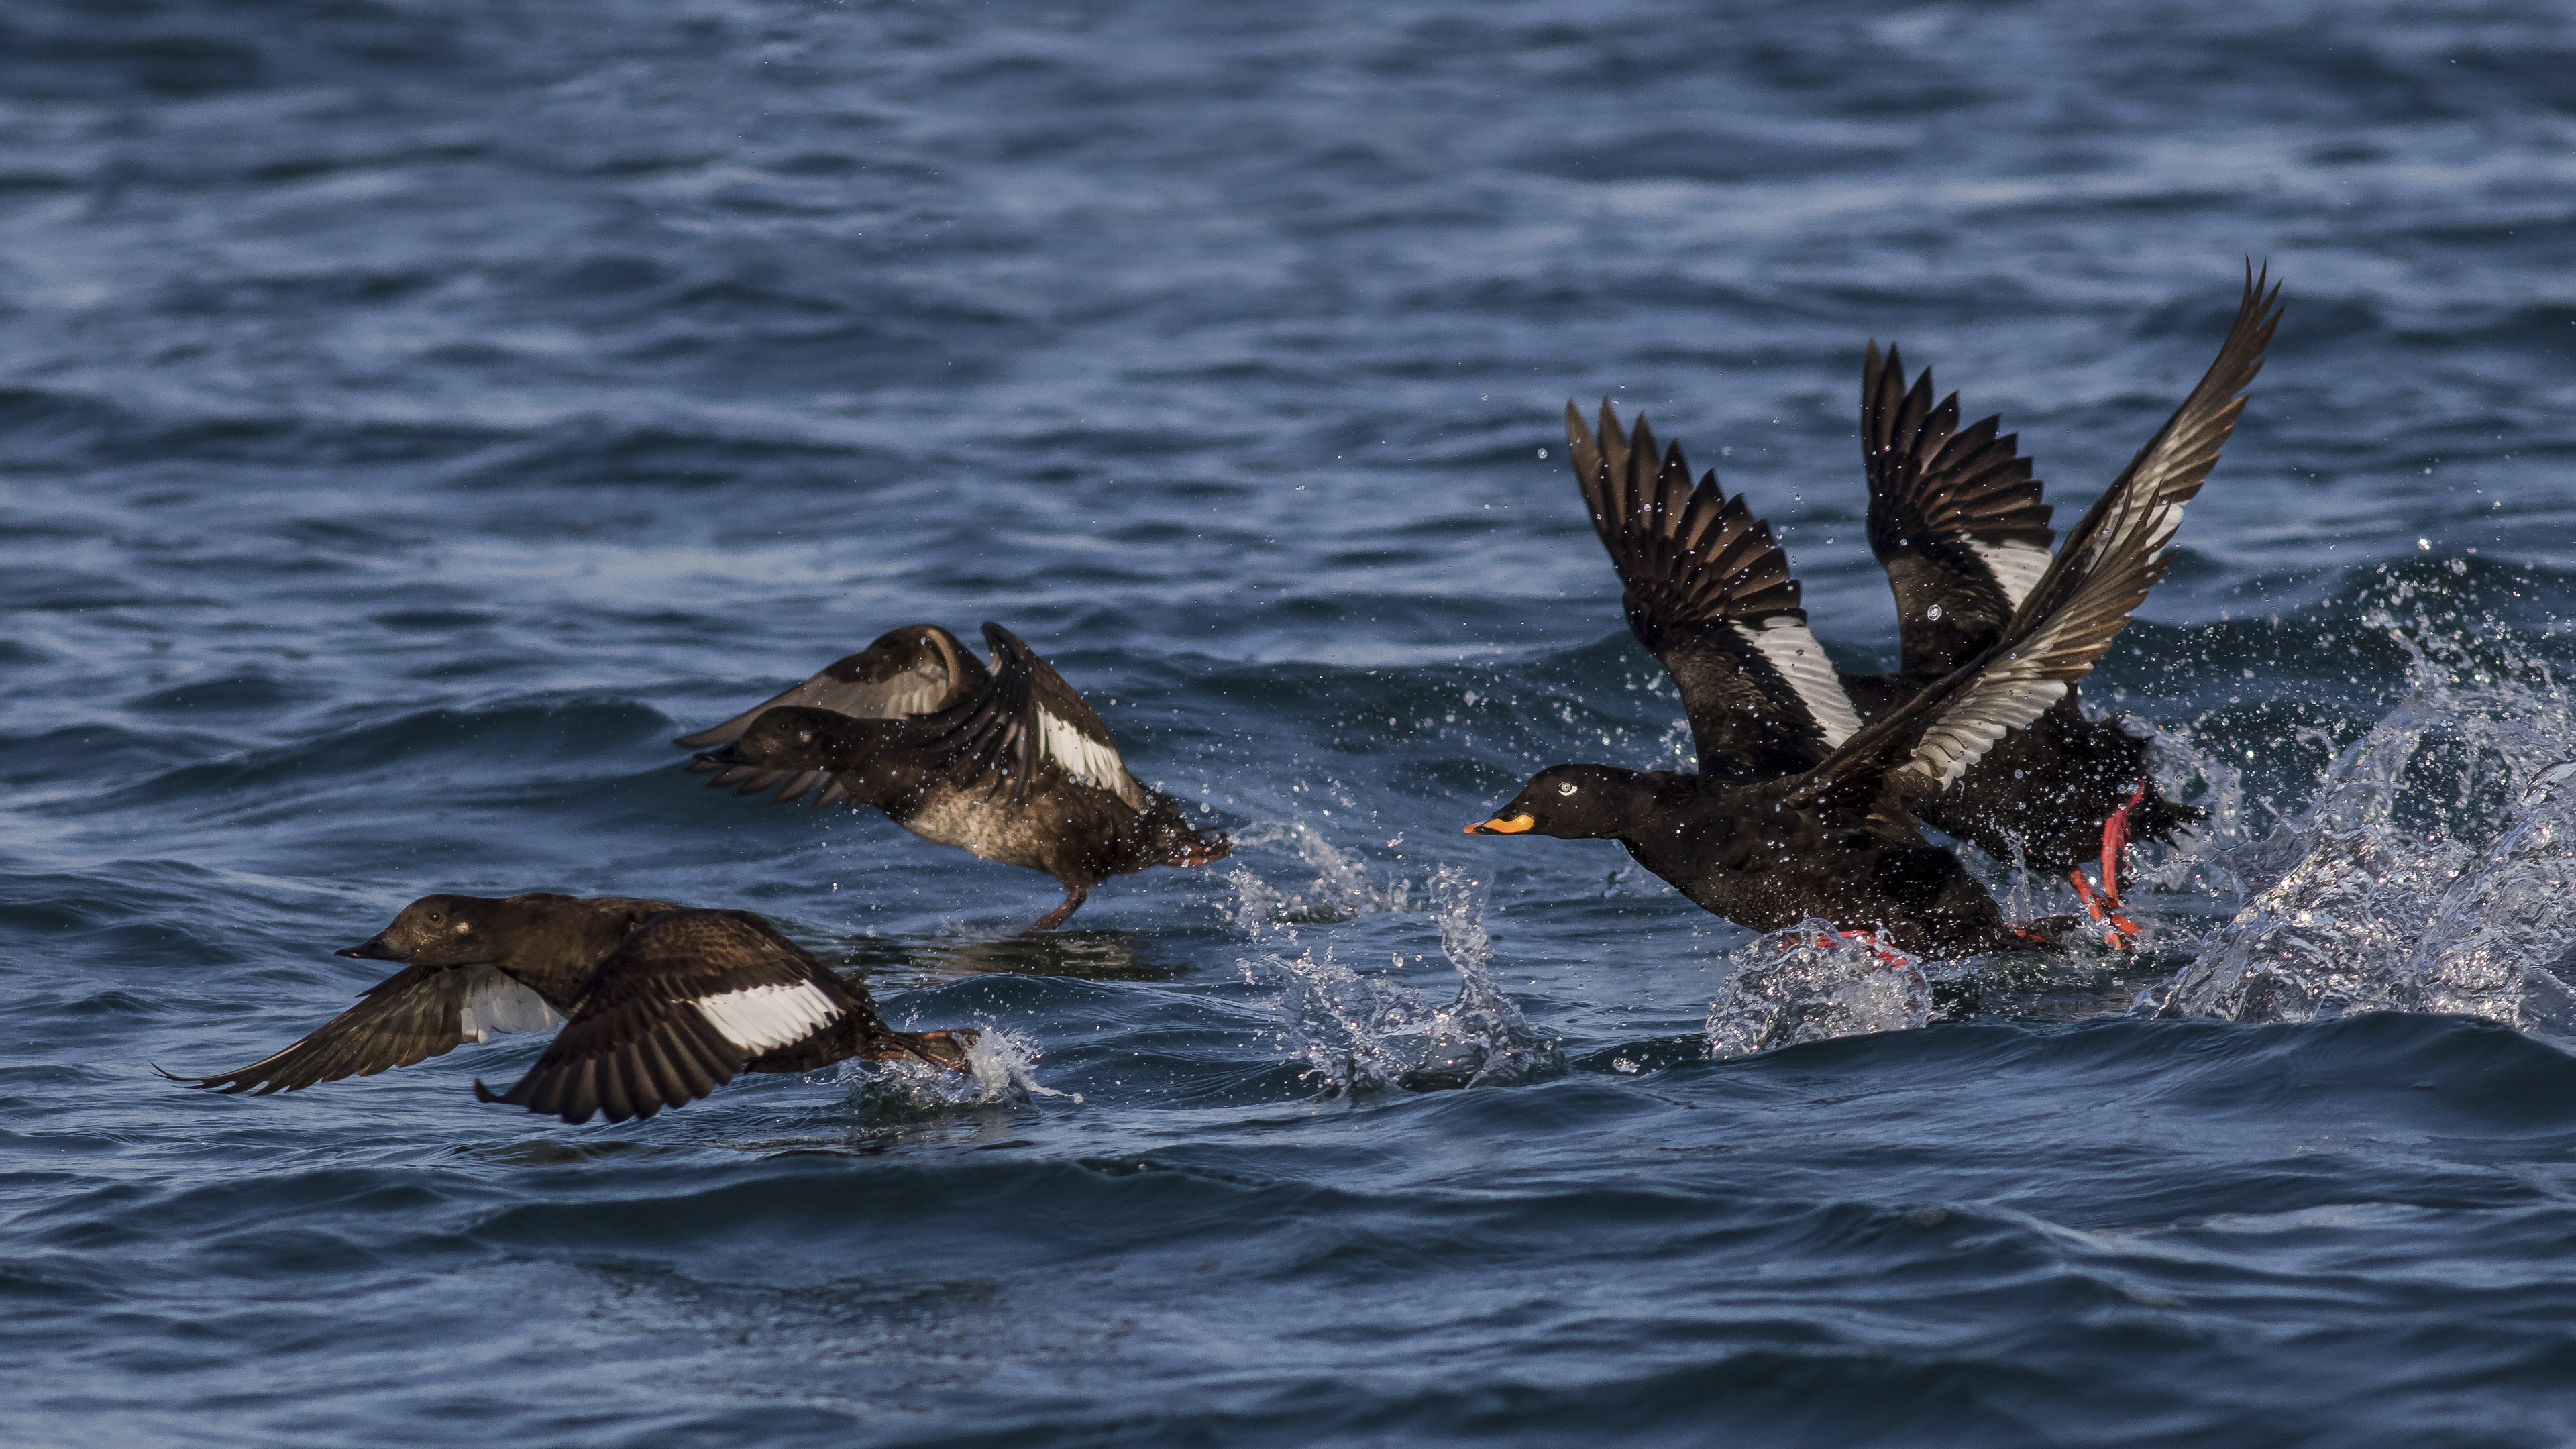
(1361, 1032)
(1000, 1063)
(2191, 770)
(2501, 938)
(2430, 871)
(1813, 983)
(1337, 885)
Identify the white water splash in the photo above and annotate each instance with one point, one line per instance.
(1338, 890)
(1812, 983)
(1346, 1026)
(2501, 937)
(2193, 772)
(999, 1063)
(2352, 911)
(2346, 895)
(1359, 1032)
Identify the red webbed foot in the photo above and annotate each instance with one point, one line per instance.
(2119, 932)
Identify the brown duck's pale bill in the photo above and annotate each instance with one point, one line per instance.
(1502, 825)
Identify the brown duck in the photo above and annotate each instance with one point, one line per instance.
(1009, 763)
(659, 1004)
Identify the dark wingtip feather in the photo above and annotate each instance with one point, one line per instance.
(1006, 645)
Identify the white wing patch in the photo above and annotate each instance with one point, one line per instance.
(763, 1018)
(2016, 566)
(1964, 735)
(1094, 762)
(1801, 661)
(502, 1005)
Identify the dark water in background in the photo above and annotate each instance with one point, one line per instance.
(413, 414)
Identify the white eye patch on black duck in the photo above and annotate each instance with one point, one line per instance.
(1565, 788)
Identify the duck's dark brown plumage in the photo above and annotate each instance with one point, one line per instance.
(1708, 591)
(1833, 838)
(917, 670)
(659, 1004)
(690, 998)
(1013, 766)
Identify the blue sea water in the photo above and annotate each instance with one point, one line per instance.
(413, 414)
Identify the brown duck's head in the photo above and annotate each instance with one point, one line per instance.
(437, 931)
(787, 739)
(1569, 802)
(790, 737)
(1174, 842)
(939, 1048)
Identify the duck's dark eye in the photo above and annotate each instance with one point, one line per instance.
(435, 918)
(1567, 788)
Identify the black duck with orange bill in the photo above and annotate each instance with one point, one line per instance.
(1957, 521)
(1799, 809)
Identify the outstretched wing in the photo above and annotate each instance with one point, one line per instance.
(915, 670)
(2112, 556)
(1030, 725)
(2168, 471)
(417, 1013)
(682, 1005)
(1709, 594)
(1954, 516)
